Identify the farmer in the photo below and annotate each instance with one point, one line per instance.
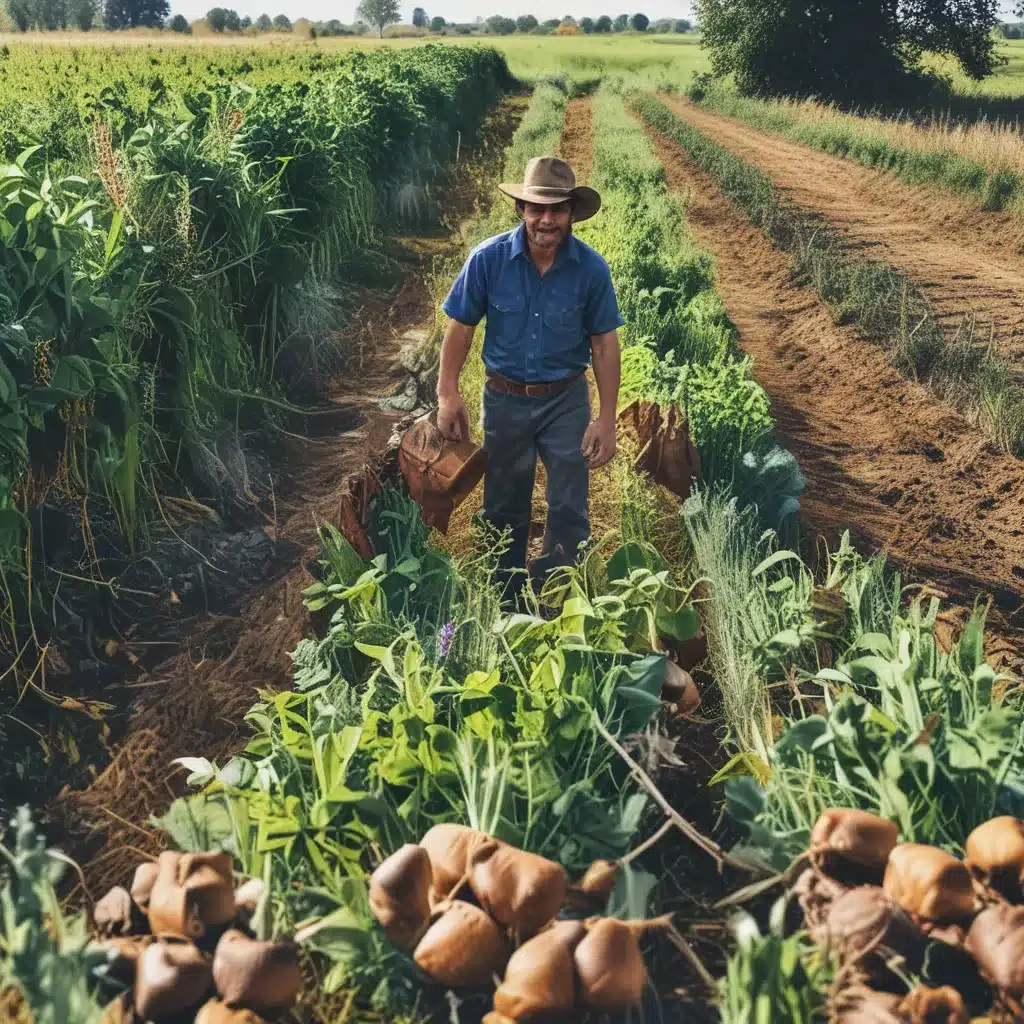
(550, 309)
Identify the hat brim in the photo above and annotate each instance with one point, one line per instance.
(587, 199)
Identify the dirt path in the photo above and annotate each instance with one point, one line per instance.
(967, 262)
(882, 457)
(194, 703)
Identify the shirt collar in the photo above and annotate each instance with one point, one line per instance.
(570, 249)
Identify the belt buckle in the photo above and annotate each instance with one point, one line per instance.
(529, 390)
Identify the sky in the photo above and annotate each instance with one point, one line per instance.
(457, 10)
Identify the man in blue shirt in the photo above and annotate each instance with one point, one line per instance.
(551, 311)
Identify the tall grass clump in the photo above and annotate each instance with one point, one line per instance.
(887, 307)
(171, 296)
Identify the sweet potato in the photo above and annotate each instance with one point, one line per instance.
(449, 848)
(929, 884)
(192, 892)
(260, 976)
(862, 923)
(400, 896)
(116, 914)
(142, 883)
(852, 846)
(519, 890)
(216, 1012)
(541, 977)
(170, 978)
(995, 857)
(463, 947)
(935, 1006)
(680, 689)
(609, 966)
(996, 941)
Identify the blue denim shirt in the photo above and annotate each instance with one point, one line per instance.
(538, 328)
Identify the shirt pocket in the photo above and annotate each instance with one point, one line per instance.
(506, 312)
(563, 317)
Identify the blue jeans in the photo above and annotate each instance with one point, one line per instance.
(516, 430)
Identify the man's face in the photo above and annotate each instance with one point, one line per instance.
(547, 225)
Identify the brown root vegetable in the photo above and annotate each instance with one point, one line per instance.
(496, 1018)
(996, 941)
(610, 966)
(935, 1006)
(123, 957)
(400, 896)
(247, 899)
(862, 927)
(519, 890)
(463, 947)
(995, 856)
(216, 1012)
(171, 977)
(540, 978)
(852, 846)
(599, 879)
(192, 892)
(261, 976)
(142, 883)
(816, 893)
(116, 914)
(680, 689)
(929, 884)
(449, 848)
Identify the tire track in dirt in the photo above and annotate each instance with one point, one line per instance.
(967, 262)
(882, 457)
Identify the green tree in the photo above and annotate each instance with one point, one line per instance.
(621, 23)
(379, 13)
(681, 26)
(639, 22)
(603, 24)
(263, 23)
(283, 23)
(437, 23)
(49, 15)
(587, 24)
(82, 14)
(526, 23)
(851, 51)
(419, 17)
(245, 23)
(179, 23)
(551, 24)
(499, 25)
(20, 13)
(135, 13)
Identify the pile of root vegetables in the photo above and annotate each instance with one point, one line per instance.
(179, 948)
(888, 911)
(474, 911)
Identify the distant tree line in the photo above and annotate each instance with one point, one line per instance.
(51, 15)
(525, 24)
(1013, 30)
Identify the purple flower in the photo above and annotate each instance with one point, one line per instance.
(444, 639)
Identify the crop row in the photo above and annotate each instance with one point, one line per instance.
(887, 307)
(167, 292)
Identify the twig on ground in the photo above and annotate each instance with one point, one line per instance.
(677, 940)
(707, 845)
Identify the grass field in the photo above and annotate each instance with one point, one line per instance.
(207, 314)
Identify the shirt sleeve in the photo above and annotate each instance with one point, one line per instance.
(601, 313)
(467, 300)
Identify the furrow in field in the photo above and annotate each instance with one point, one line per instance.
(969, 264)
(882, 457)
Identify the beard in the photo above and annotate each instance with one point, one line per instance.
(547, 239)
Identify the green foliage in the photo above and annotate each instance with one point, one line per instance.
(909, 731)
(44, 954)
(379, 13)
(850, 50)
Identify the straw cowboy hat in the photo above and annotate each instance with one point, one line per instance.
(549, 180)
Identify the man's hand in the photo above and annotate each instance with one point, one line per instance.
(452, 417)
(599, 442)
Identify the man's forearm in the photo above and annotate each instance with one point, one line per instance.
(607, 372)
(458, 338)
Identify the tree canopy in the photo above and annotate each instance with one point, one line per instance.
(419, 17)
(846, 50)
(379, 13)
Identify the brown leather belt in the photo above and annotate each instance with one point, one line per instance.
(504, 386)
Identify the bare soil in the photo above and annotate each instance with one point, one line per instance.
(969, 263)
(882, 457)
(194, 702)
